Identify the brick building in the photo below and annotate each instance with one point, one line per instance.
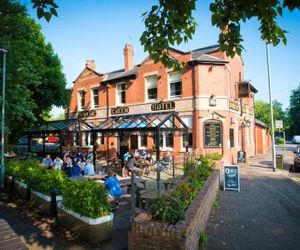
(204, 95)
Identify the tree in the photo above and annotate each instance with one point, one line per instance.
(171, 22)
(35, 81)
(262, 112)
(294, 112)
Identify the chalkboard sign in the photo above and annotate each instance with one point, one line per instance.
(212, 134)
(231, 177)
(241, 157)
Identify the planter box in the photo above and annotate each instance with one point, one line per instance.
(43, 202)
(184, 235)
(21, 189)
(94, 231)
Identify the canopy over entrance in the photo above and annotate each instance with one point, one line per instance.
(66, 132)
(142, 122)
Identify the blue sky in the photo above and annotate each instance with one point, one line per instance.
(93, 29)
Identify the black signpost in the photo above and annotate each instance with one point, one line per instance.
(232, 178)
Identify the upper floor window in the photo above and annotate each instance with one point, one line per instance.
(121, 94)
(81, 100)
(95, 98)
(151, 87)
(175, 84)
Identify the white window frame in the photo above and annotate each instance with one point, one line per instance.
(174, 81)
(89, 144)
(164, 147)
(118, 101)
(190, 148)
(80, 108)
(140, 143)
(146, 88)
(92, 98)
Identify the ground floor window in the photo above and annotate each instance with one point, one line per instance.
(187, 139)
(143, 140)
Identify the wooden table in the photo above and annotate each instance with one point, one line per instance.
(8, 238)
(127, 182)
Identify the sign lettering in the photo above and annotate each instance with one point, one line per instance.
(87, 113)
(232, 178)
(119, 110)
(163, 106)
(212, 134)
(234, 105)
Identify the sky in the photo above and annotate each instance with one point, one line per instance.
(98, 30)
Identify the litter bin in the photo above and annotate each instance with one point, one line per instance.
(279, 161)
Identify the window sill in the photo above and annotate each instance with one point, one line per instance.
(89, 146)
(176, 97)
(166, 148)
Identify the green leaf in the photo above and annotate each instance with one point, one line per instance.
(47, 16)
(40, 12)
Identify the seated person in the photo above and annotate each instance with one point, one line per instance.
(126, 156)
(143, 154)
(10, 154)
(89, 168)
(113, 186)
(76, 171)
(57, 163)
(67, 165)
(81, 163)
(79, 156)
(131, 165)
(167, 159)
(47, 161)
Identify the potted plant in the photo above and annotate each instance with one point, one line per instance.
(43, 184)
(85, 210)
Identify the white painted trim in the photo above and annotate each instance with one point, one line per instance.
(150, 74)
(46, 197)
(88, 220)
(23, 185)
(117, 96)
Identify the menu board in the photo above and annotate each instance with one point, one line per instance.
(231, 178)
(212, 134)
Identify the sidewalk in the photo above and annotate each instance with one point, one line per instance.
(264, 215)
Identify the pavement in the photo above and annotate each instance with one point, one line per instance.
(265, 214)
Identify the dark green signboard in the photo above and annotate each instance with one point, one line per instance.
(212, 134)
(231, 177)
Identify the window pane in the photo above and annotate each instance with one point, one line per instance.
(231, 137)
(152, 93)
(169, 139)
(143, 140)
(175, 89)
(95, 98)
(189, 139)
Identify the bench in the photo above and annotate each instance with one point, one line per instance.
(9, 240)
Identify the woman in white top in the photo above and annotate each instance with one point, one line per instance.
(57, 163)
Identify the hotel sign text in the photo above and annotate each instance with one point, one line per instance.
(119, 110)
(86, 113)
(163, 106)
(234, 105)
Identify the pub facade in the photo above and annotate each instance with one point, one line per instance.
(210, 96)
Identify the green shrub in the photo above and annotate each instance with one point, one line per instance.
(280, 140)
(87, 198)
(216, 156)
(203, 239)
(171, 207)
(37, 177)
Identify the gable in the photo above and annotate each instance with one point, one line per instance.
(85, 74)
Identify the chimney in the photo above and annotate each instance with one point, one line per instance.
(128, 57)
(90, 64)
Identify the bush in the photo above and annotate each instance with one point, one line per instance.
(215, 156)
(87, 198)
(37, 177)
(280, 140)
(171, 207)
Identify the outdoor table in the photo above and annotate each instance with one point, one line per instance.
(95, 177)
(127, 182)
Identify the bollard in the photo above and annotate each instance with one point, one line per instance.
(53, 203)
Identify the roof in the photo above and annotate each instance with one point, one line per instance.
(68, 124)
(253, 89)
(208, 59)
(142, 122)
(88, 68)
(206, 50)
(258, 122)
(121, 74)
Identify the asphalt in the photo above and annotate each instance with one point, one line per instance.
(265, 214)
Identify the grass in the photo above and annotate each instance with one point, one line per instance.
(203, 238)
(215, 205)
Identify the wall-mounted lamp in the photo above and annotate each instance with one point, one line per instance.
(210, 68)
